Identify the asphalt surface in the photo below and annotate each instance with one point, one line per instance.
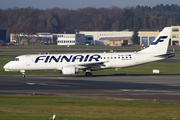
(164, 88)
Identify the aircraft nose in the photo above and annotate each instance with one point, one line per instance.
(6, 67)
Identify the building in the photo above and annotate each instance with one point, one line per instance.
(175, 35)
(35, 39)
(112, 38)
(71, 39)
(47, 39)
(115, 38)
(3, 34)
(147, 37)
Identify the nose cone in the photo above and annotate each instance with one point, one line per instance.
(6, 67)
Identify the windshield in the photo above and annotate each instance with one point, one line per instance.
(15, 59)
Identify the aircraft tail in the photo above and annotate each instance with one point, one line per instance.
(160, 44)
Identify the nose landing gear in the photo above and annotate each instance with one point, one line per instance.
(23, 73)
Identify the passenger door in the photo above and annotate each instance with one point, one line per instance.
(28, 60)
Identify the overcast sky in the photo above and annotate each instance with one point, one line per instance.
(75, 4)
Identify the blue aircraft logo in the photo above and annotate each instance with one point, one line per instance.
(71, 58)
(160, 39)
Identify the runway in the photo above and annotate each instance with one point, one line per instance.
(164, 88)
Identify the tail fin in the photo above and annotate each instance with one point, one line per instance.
(160, 44)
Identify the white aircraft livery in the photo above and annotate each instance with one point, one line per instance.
(69, 64)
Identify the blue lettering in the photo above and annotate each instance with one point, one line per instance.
(47, 58)
(67, 59)
(86, 58)
(56, 60)
(80, 57)
(38, 58)
(95, 57)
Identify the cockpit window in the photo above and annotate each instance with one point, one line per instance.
(15, 59)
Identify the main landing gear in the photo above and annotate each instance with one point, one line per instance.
(88, 73)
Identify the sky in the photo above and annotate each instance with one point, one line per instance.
(76, 4)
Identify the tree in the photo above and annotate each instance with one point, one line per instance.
(41, 26)
(178, 18)
(58, 20)
(146, 21)
(47, 23)
(3, 19)
(127, 19)
(27, 30)
(138, 23)
(135, 38)
(162, 22)
(16, 31)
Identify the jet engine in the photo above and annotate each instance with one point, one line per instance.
(69, 70)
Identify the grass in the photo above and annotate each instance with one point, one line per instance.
(50, 48)
(42, 108)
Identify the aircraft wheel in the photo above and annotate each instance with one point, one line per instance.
(23, 75)
(88, 74)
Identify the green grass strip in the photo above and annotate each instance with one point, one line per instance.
(42, 108)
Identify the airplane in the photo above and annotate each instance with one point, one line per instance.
(69, 64)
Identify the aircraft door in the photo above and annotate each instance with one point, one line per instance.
(136, 57)
(28, 60)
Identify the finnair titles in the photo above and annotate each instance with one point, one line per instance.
(71, 58)
(69, 64)
(75, 58)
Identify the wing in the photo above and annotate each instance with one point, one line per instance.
(92, 65)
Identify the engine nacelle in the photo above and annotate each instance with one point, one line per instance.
(69, 70)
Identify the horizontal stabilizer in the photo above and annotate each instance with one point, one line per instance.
(167, 55)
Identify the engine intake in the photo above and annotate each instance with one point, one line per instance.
(69, 70)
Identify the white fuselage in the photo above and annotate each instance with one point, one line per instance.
(57, 61)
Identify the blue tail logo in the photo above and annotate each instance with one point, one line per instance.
(160, 39)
